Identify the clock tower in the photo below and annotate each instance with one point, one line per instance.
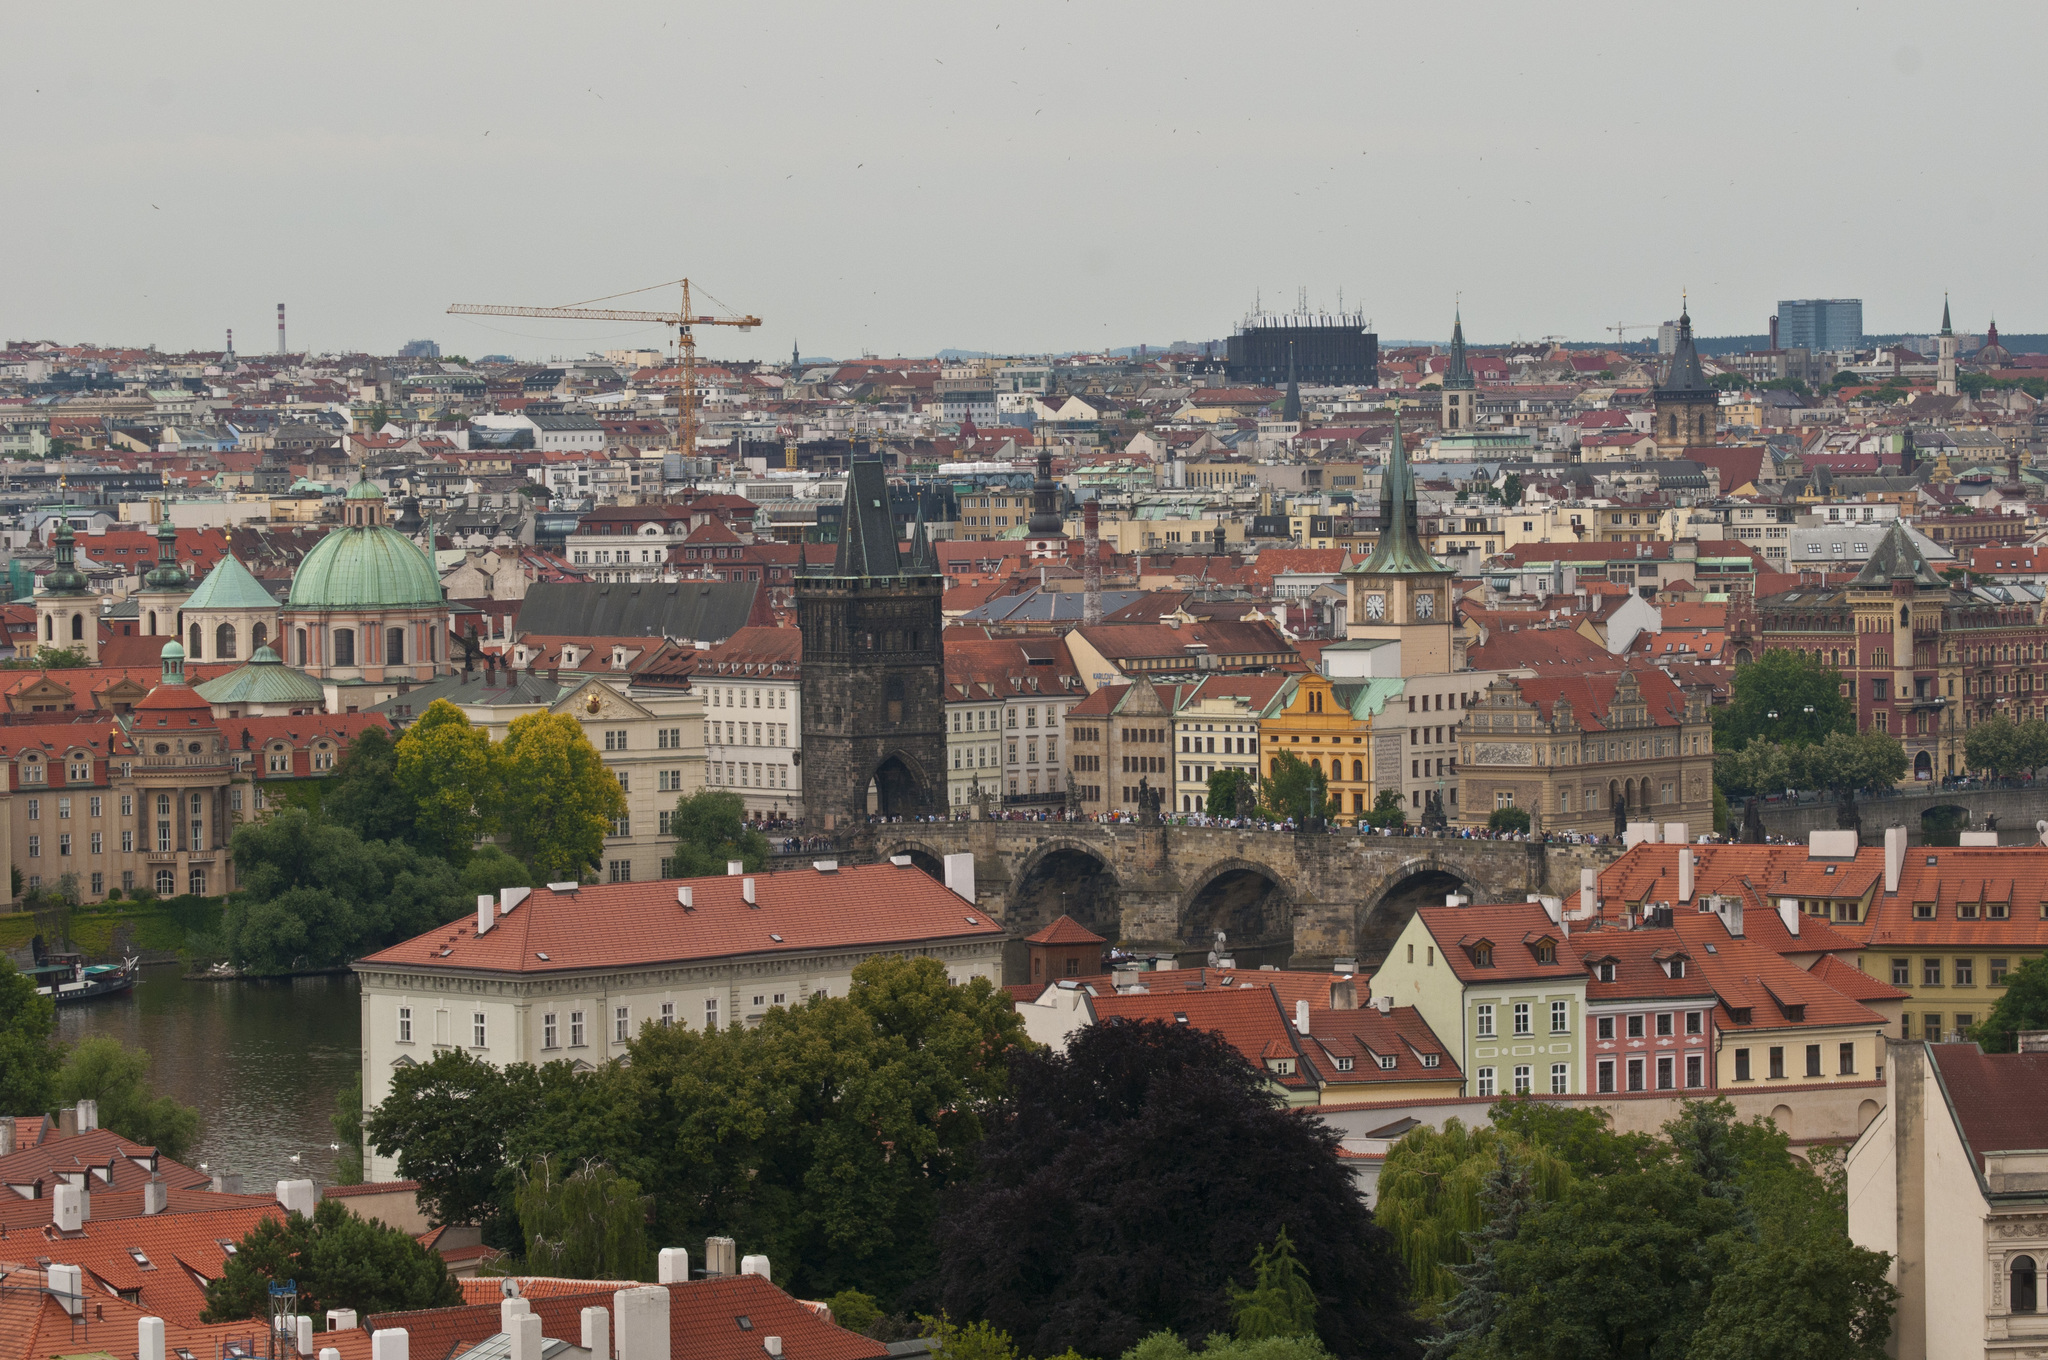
(1400, 593)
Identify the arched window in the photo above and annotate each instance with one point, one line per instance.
(1315, 765)
(1905, 616)
(152, 623)
(258, 635)
(2026, 1297)
(224, 642)
(302, 646)
(78, 627)
(1358, 772)
(49, 627)
(344, 646)
(394, 646)
(198, 634)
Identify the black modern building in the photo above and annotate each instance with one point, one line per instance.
(1327, 351)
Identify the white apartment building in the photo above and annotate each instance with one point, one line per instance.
(1216, 727)
(754, 720)
(571, 974)
(1006, 703)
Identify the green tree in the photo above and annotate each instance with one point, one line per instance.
(338, 1260)
(1845, 764)
(711, 829)
(444, 769)
(588, 1225)
(29, 1055)
(347, 1123)
(1805, 694)
(1389, 811)
(1294, 789)
(853, 1310)
(1508, 819)
(966, 1340)
(359, 797)
(1759, 767)
(49, 659)
(117, 1078)
(1169, 1346)
(1279, 1302)
(1469, 1317)
(1223, 786)
(448, 1122)
(1817, 1300)
(2004, 747)
(1511, 490)
(2024, 1006)
(560, 801)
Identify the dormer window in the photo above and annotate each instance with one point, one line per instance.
(1386, 1062)
(1606, 970)
(1431, 1059)
(1344, 1064)
(1676, 968)
(1546, 952)
(1482, 955)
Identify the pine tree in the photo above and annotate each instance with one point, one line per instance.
(1469, 1317)
(1279, 1303)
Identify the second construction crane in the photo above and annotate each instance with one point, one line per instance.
(685, 321)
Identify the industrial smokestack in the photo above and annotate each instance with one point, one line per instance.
(280, 330)
(231, 342)
(1091, 567)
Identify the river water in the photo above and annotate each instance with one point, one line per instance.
(260, 1060)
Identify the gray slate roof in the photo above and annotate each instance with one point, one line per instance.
(686, 611)
(471, 689)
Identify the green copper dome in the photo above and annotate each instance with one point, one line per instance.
(364, 567)
(265, 680)
(167, 574)
(364, 490)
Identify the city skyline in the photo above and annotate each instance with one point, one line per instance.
(1099, 186)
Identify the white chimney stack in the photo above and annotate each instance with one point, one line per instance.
(643, 1323)
(684, 896)
(755, 1265)
(747, 892)
(302, 1333)
(330, 1353)
(392, 1343)
(597, 1333)
(1788, 912)
(960, 876)
(734, 868)
(509, 898)
(673, 1266)
(155, 1196)
(67, 1208)
(772, 1345)
(297, 1197)
(486, 908)
(511, 1310)
(341, 1319)
(68, 1284)
(1894, 856)
(149, 1338)
(1684, 871)
(1384, 1003)
(1301, 1017)
(6, 1135)
(720, 1256)
(1675, 833)
(524, 1334)
(88, 1115)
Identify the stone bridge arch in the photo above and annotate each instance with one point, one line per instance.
(1249, 900)
(924, 855)
(1390, 901)
(1065, 875)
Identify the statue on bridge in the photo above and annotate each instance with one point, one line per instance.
(1433, 818)
(1752, 822)
(1621, 816)
(1149, 800)
(1247, 797)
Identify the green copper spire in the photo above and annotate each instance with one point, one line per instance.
(1459, 374)
(1400, 550)
(64, 578)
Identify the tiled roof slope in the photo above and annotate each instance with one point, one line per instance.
(2000, 1099)
(626, 925)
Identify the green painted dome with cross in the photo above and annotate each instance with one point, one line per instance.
(365, 564)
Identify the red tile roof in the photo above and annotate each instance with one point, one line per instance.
(1513, 928)
(2000, 1099)
(1248, 1018)
(624, 925)
(1366, 1037)
(1066, 930)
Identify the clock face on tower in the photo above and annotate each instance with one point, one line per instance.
(1425, 605)
(1375, 606)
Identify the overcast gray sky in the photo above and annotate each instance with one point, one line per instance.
(1010, 177)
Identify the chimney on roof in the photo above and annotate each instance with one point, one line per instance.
(67, 1285)
(597, 1322)
(747, 892)
(1894, 856)
(149, 1331)
(643, 1322)
(1384, 1003)
(721, 1257)
(734, 868)
(67, 1208)
(1684, 872)
(755, 1265)
(1301, 1018)
(672, 1267)
(524, 1334)
(341, 1319)
(6, 1135)
(155, 1196)
(1788, 912)
(297, 1197)
(486, 911)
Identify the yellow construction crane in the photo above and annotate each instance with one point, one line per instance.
(686, 340)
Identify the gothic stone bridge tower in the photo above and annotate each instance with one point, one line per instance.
(873, 667)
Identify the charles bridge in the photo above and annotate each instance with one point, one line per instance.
(1280, 897)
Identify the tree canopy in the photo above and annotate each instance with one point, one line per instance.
(1222, 797)
(29, 1056)
(2023, 1006)
(1785, 683)
(585, 1224)
(446, 770)
(1295, 789)
(1389, 811)
(1126, 1184)
(824, 1135)
(338, 1261)
(711, 830)
(100, 1069)
(2004, 747)
(559, 799)
(1845, 764)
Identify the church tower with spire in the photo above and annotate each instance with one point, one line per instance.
(874, 730)
(67, 610)
(1688, 408)
(1945, 355)
(1400, 593)
(1461, 404)
(1046, 533)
